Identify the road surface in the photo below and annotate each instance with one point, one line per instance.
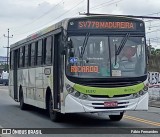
(12, 117)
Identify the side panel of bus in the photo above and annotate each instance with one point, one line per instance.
(36, 79)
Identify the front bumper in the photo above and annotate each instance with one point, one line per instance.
(76, 105)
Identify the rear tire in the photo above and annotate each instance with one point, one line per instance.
(116, 117)
(54, 116)
(23, 106)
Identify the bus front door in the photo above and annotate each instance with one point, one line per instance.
(56, 71)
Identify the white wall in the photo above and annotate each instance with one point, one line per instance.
(154, 85)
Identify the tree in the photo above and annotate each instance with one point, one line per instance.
(152, 51)
(157, 51)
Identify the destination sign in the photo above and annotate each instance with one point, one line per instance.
(84, 69)
(105, 25)
(113, 24)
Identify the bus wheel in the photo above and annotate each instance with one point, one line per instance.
(54, 116)
(116, 117)
(23, 106)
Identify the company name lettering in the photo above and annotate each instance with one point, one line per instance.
(105, 25)
(84, 69)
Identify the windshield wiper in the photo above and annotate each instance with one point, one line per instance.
(84, 44)
(123, 42)
(117, 51)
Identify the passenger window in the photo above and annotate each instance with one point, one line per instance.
(48, 59)
(33, 54)
(39, 52)
(26, 56)
(21, 55)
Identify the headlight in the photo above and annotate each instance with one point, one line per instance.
(135, 95)
(140, 93)
(75, 93)
(69, 88)
(84, 96)
(145, 88)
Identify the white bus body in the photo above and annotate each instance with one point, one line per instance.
(49, 86)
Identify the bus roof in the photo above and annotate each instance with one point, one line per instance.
(63, 24)
(41, 32)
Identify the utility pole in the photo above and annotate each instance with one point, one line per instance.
(8, 37)
(87, 7)
(87, 13)
(130, 16)
(149, 47)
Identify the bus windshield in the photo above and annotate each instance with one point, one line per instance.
(106, 56)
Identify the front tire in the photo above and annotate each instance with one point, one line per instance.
(116, 117)
(54, 116)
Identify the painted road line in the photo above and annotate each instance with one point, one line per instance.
(142, 120)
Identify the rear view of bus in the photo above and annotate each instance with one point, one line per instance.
(106, 66)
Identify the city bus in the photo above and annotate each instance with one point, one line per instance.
(92, 64)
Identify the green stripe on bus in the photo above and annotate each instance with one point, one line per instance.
(109, 91)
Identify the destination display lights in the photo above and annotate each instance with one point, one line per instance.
(99, 24)
(105, 25)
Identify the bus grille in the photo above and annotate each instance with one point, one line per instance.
(109, 107)
(112, 84)
(101, 105)
(106, 96)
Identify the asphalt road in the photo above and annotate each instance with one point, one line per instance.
(12, 117)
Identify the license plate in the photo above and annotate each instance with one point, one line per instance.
(111, 104)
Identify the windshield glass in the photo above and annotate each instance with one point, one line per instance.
(96, 56)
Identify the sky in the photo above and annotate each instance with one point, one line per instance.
(24, 17)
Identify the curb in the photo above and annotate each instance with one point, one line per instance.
(154, 103)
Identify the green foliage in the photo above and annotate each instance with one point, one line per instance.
(155, 51)
(154, 63)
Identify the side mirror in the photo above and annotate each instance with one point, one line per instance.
(68, 45)
(71, 52)
(63, 51)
